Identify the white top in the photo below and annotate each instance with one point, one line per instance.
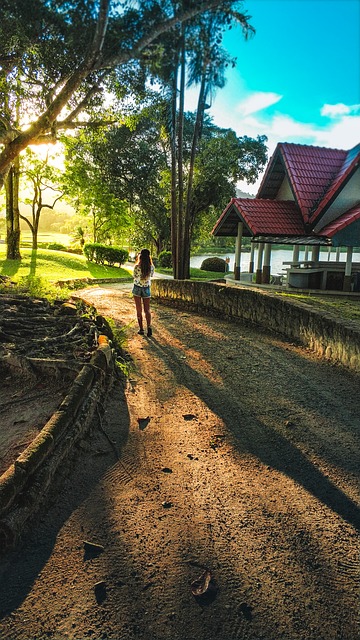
(139, 280)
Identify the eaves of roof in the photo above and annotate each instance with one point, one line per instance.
(340, 223)
(261, 217)
(345, 172)
(273, 176)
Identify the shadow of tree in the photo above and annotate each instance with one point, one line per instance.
(20, 568)
(10, 267)
(269, 446)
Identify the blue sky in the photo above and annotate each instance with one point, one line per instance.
(298, 79)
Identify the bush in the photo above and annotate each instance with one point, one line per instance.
(56, 246)
(165, 259)
(101, 253)
(213, 264)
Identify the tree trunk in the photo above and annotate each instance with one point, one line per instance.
(174, 210)
(35, 238)
(12, 212)
(179, 268)
(188, 223)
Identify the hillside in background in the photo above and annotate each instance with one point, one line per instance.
(243, 194)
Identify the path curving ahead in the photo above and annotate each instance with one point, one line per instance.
(237, 452)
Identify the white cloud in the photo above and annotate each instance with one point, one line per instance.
(340, 109)
(340, 133)
(257, 102)
(338, 128)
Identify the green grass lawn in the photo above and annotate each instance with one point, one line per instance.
(59, 265)
(195, 274)
(55, 265)
(51, 236)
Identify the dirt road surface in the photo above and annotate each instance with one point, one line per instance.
(231, 451)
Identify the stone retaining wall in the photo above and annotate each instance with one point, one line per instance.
(335, 340)
(25, 484)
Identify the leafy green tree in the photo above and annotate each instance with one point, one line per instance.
(134, 163)
(196, 47)
(106, 216)
(223, 160)
(40, 178)
(60, 59)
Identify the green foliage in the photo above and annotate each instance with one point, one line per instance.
(37, 287)
(213, 264)
(165, 259)
(56, 265)
(56, 246)
(100, 253)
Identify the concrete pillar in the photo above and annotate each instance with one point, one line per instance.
(315, 253)
(347, 276)
(306, 253)
(296, 251)
(258, 278)
(252, 254)
(267, 260)
(337, 254)
(238, 251)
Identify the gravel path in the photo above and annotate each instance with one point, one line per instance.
(231, 450)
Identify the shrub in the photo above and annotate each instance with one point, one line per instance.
(165, 259)
(89, 251)
(213, 264)
(101, 253)
(56, 246)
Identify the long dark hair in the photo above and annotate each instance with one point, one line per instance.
(145, 262)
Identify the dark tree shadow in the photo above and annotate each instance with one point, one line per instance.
(19, 568)
(269, 446)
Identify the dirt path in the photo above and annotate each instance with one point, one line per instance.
(238, 452)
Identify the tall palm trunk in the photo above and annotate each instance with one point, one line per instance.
(194, 148)
(174, 209)
(179, 265)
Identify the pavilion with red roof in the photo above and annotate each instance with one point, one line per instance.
(308, 196)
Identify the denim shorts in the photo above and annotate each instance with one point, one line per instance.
(141, 292)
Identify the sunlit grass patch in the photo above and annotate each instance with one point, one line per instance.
(55, 265)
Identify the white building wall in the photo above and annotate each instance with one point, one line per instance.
(347, 198)
(285, 192)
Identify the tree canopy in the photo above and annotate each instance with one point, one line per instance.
(134, 164)
(59, 57)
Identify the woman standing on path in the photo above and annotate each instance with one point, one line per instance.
(143, 272)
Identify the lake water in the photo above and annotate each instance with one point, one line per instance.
(278, 256)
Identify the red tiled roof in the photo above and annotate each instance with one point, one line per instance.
(340, 223)
(310, 170)
(262, 216)
(316, 176)
(351, 160)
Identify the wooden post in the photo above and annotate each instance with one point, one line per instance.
(296, 252)
(267, 260)
(252, 254)
(315, 253)
(258, 279)
(238, 251)
(347, 276)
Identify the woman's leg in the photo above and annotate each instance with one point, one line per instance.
(139, 312)
(147, 311)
